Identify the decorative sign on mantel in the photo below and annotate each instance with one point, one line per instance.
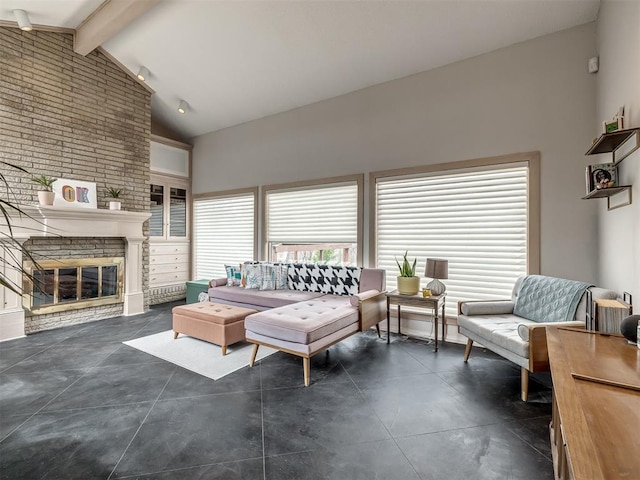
(75, 194)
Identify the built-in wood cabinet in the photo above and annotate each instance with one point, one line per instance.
(170, 222)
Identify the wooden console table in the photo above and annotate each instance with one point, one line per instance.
(595, 427)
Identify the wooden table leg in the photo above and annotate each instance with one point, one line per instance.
(435, 326)
(388, 323)
(399, 332)
(444, 323)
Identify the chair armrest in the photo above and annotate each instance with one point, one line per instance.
(372, 308)
(218, 282)
(536, 335)
(485, 307)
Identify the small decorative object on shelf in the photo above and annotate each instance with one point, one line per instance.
(115, 194)
(46, 196)
(601, 175)
(616, 124)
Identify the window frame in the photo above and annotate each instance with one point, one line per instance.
(529, 159)
(358, 179)
(225, 194)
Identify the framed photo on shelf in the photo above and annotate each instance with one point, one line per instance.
(601, 175)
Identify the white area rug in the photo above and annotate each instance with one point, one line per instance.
(196, 355)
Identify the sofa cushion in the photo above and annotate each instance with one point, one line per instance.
(329, 279)
(498, 307)
(304, 322)
(501, 330)
(261, 298)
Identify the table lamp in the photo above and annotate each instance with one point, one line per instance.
(437, 268)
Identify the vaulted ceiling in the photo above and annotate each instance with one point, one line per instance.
(237, 61)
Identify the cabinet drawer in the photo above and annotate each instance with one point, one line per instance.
(168, 278)
(159, 259)
(168, 268)
(168, 248)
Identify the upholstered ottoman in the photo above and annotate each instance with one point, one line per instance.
(211, 322)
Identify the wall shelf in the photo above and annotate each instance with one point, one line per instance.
(610, 192)
(612, 141)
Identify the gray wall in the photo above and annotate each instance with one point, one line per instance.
(619, 84)
(531, 96)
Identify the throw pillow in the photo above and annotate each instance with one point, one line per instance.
(282, 272)
(234, 275)
(268, 274)
(253, 276)
(329, 279)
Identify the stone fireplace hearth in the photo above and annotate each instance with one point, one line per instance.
(57, 223)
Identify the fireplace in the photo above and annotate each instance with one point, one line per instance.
(61, 286)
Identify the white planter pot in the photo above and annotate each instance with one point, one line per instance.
(46, 198)
(114, 205)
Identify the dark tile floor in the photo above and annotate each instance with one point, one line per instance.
(77, 403)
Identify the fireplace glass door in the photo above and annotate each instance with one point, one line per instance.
(58, 285)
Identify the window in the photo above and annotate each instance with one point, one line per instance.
(315, 222)
(224, 232)
(479, 218)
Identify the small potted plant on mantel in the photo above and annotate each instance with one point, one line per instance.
(46, 196)
(115, 194)
(408, 283)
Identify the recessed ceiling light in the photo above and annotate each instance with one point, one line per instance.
(143, 73)
(182, 108)
(23, 20)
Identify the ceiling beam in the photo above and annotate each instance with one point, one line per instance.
(111, 17)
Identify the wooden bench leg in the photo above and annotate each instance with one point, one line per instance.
(467, 350)
(175, 335)
(224, 350)
(306, 365)
(524, 384)
(253, 354)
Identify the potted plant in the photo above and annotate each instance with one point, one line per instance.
(115, 194)
(408, 283)
(46, 196)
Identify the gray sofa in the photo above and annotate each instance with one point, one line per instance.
(501, 327)
(304, 323)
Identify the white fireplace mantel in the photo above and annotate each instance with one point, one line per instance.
(40, 221)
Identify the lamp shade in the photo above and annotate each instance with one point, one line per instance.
(437, 268)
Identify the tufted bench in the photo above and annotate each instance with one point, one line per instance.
(303, 328)
(212, 322)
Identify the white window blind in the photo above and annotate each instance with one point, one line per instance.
(476, 219)
(223, 233)
(319, 214)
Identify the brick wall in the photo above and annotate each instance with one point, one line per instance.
(74, 117)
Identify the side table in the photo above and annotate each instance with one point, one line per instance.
(434, 302)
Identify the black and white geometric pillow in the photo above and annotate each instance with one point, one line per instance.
(328, 279)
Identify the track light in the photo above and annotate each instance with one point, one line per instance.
(182, 108)
(23, 20)
(143, 73)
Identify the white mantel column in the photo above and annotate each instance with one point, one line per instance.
(133, 294)
(11, 311)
